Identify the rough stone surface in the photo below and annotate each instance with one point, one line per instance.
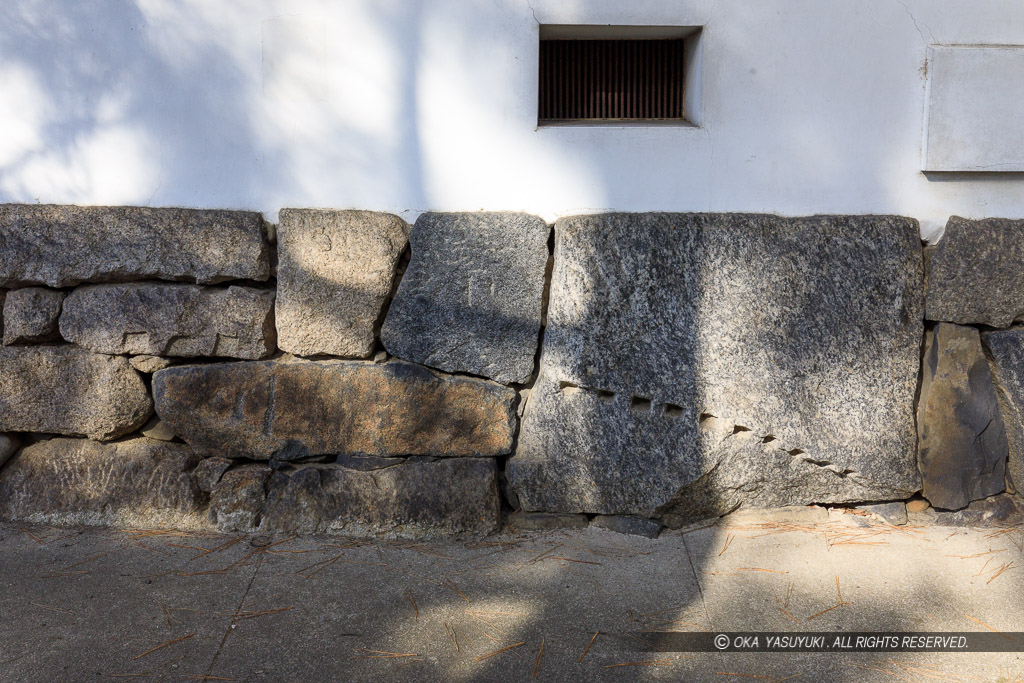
(962, 445)
(150, 364)
(66, 245)
(1006, 350)
(296, 409)
(471, 298)
(208, 472)
(72, 481)
(171, 320)
(8, 447)
(624, 524)
(974, 273)
(420, 497)
(694, 362)
(236, 500)
(334, 275)
(894, 513)
(68, 390)
(30, 315)
(544, 521)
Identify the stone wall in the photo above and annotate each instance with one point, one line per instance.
(343, 372)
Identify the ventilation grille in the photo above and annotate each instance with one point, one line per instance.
(611, 80)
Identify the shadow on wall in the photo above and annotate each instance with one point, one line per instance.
(107, 108)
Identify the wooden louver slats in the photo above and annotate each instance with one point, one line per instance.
(611, 80)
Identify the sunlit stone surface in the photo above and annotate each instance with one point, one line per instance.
(694, 362)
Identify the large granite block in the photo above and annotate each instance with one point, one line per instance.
(66, 245)
(31, 314)
(68, 390)
(78, 481)
(289, 410)
(974, 273)
(471, 298)
(694, 362)
(1006, 350)
(962, 445)
(162, 319)
(334, 275)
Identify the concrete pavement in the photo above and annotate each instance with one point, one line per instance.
(95, 604)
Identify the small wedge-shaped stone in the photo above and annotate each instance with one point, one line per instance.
(335, 272)
(291, 410)
(66, 245)
(411, 499)
(138, 482)
(1006, 349)
(471, 298)
(171, 320)
(30, 315)
(961, 449)
(69, 390)
(974, 273)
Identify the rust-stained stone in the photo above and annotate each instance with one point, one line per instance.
(78, 481)
(66, 245)
(290, 410)
(68, 390)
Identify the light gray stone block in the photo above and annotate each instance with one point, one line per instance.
(471, 298)
(696, 362)
(334, 275)
(165, 319)
(68, 390)
(31, 314)
(974, 273)
(66, 245)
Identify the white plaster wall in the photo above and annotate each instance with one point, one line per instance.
(809, 106)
